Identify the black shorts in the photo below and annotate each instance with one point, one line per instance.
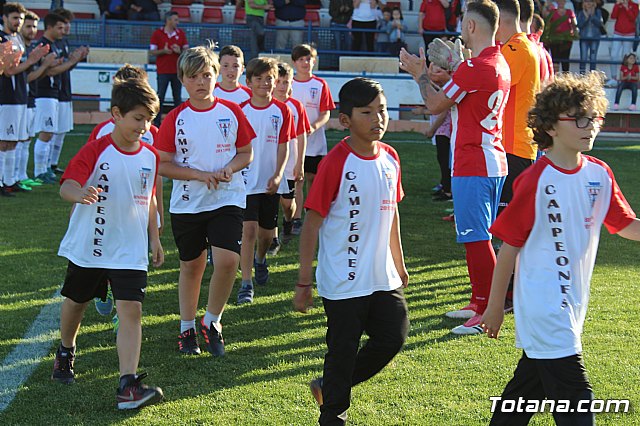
(83, 284)
(263, 208)
(292, 190)
(311, 163)
(516, 165)
(193, 232)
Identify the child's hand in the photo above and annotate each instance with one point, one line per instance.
(273, 184)
(298, 172)
(157, 254)
(209, 178)
(224, 175)
(429, 133)
(404, 276)
(302, 299)
(88, 195)
(175, 48)
(492, 321)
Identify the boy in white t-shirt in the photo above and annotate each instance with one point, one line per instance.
(231, 68)
(551, 231)
(294, 170)
(352, 210)
(264, 178)
(203, 144)
(314, 94)
(113, 223)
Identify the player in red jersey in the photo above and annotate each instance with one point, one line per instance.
(477, 94)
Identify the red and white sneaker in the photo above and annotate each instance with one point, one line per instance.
(136, 395)
(467, 312)
(472, 326)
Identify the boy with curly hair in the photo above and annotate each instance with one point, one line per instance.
(554, 221)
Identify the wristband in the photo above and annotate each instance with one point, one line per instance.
(303, 285)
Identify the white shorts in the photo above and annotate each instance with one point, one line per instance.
(65, 117)
(13, 123)
(46, 118)
(31, 115)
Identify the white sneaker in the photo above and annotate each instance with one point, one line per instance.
(467, 312)
(472, 326)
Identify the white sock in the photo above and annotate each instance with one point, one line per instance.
(24, 160)
(187, 325)
(9, 167)
(40, 157)
(56, 148)
(16, 167)
(1, 167)
(210, 318)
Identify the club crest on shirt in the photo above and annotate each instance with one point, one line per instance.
(10, 130)
(313, 92)
(593, 189)
(145, 174)
(388, 175)
(275, 122)
(224, 125)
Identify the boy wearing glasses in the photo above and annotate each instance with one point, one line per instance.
(553, 236)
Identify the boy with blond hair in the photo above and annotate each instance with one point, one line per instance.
(203, 144)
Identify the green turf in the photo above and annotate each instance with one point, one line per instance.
(273, 352)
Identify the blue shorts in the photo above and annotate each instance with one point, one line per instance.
(475, 205)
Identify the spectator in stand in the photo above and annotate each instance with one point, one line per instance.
(289, 13)
(166, 45)
(591, 27)
(452, 15)
(396, 30)
(562, 30)
(340, 12)
(254, 12)
(384, 26)
(628, 79)
(364, 17)
(115, 9)
(625, 13)
(144, 10)
(432, 18)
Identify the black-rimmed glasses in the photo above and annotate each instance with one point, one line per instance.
(583, 122)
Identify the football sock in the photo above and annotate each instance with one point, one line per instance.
(247, 283)
(2, 153)
(24, 160)
(16, 167)
(481, 260)
(56, 147)
(187, 325)
(210, 318)
(9, 167)
(40, 157)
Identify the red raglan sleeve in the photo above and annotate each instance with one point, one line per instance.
(327, 181)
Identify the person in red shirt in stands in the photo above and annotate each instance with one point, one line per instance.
(625, 13)
(166, 45)
(432, 18)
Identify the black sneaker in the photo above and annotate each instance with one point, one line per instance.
(135, 395)
(442, 196)
(188, 342)
(57, 170)
(5, 191)
(296, 227)
(286, 231)
(63, 367)
(274, 248)
(213, 339)
(316, 389)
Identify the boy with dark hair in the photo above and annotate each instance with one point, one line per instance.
(231, 68)
(111, 183)
(294, 169)
(273, 124)
(203, 145)
(313, 92)
(554, 219)
(352, 210)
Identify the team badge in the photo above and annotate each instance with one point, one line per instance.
(593, 189)
(314, 93)
(224, 125)
(388, 175)
(275, 122)
(145, 174)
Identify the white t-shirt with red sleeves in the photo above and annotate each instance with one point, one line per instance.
(273, 125)
(357, 196)
(111, 233)
(237, 95)
(106, 128)
(555, 218)
(480, 88)
(205, 140)
(315, 96)
(301, 124)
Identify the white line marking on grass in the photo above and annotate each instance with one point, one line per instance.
(21, 362)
